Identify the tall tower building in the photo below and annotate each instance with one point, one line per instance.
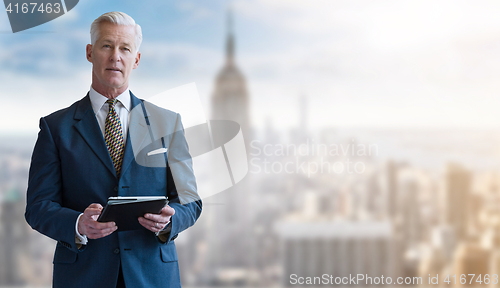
(229, 214)
(314, 247)
(301, 132)
(230, 98)
(458, 186)
(230, 102)
(470, 259)
(391, 184)
(14, 238)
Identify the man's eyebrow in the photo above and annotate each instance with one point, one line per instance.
(127, 44)
(130, 46)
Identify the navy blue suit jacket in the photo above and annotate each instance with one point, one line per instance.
(71, 169)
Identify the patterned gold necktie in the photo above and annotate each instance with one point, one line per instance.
(114, 136)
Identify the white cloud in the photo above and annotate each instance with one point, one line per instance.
(46, 53)
(195, 12)
(426, 18)
(71, 16)
(167, 65)
(26, 98)
(360, 63)
(189, 55)
(44, 94)
(379, 62)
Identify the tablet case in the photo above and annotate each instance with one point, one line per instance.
(126, 213)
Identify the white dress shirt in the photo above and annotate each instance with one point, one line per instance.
(101, 110)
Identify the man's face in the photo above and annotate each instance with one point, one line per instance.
(113, 57)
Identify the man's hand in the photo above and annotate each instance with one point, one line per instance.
(156, 222)
(90, 227)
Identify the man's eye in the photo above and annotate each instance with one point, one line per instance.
(106, 46)
(126, 49)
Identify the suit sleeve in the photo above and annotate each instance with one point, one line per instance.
(181, 184)
(44, 211)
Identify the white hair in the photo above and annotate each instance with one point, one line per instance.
(118, 18)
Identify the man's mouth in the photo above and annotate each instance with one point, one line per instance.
(114, 69)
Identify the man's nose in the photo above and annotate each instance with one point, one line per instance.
(115, 55)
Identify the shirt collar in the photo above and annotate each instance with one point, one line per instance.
(98, 99)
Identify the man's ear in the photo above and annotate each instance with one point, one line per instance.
(89, 52)
(137, 59)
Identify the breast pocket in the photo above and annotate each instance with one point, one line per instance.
(157, 160)
(155, 154)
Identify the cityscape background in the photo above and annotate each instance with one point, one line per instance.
(372, 133)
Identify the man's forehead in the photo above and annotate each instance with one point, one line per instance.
(109, 31)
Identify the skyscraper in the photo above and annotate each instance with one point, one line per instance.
(339, 248)
(391, 184)
(230, 97)
(13, 238)
(458, 186)
(470, 259)
(229, 219)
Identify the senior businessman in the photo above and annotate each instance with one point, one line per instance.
(83, 155)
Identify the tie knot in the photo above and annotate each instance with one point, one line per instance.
(112, 102)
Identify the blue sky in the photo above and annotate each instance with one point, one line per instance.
(363, 63)
(46, 66)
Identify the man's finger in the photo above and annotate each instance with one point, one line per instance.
(100, 225)
(95, 205)
(146, 222)
(157, 218)
(92, 211)
(167, 211)
(150, 225)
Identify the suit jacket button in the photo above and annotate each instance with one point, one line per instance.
(116, 188)
(117, 251)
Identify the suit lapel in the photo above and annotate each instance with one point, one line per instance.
(91, 133)
(129, 153)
